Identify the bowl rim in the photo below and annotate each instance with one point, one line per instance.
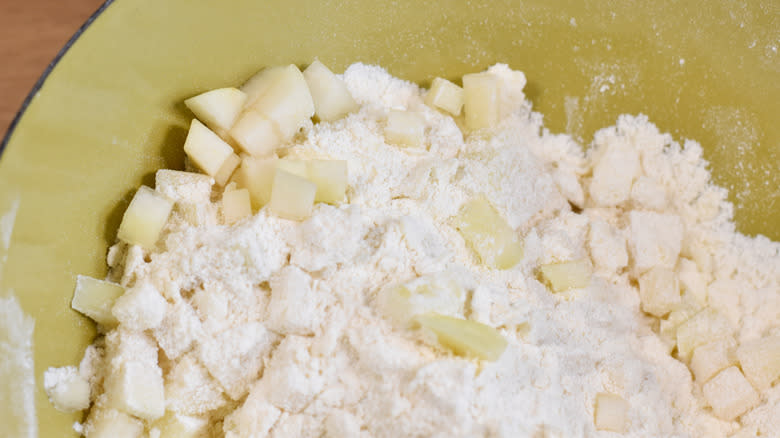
(47, 72)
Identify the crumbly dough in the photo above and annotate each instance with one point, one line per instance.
(271, 327)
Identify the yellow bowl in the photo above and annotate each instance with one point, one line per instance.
(110, 112)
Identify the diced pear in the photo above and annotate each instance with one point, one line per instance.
(205, 148)
(236, 205)
(95, 299)
(611, 412)
(296, 167)
(137, 389)
(760, 361)
(702, 328)
(488, 234)
(219, 108)
(227, 169)
(464, 337)
(257, 176)
(292, 197)
(260, 83)
(668, 326)
(332, 99)
(173, 425)
(183, 186)
(405, 128)
(67, 389)
(110, 423)
(659, 291)
(255, 134)
(288, 102)
(430, 293)
(480, 100)
(730, 394)
(710, 359)
(566, 275)
(330, 176)
(145, 218)
(445, 96)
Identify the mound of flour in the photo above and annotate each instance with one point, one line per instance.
(271, 328)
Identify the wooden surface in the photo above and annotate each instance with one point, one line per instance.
(31, 34)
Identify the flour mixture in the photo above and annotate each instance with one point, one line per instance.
(403, 269)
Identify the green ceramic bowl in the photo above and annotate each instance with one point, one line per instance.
(108, 113)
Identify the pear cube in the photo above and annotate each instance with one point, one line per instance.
(659, 291)
(292, 197)
(611, 412)
(405, 128)
(464, 337)
(145, 218)
(332, 99)
(563, 276)
(205, 148)
(219, 108)
(445, 96)
(760, 361)
(330, 176)
(95, 299)
(288, 102)
(730, 394)
(255, 134)
(236, 205)
(480, 101)
(488, 234)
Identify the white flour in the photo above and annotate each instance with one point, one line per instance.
(272, 328)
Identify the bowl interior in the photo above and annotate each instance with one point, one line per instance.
(110, 113)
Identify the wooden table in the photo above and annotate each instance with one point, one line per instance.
(31, 34)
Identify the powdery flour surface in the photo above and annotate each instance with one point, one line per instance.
(273, 328)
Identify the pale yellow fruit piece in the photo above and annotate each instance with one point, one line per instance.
(257, 176)
(137, 389)
(480, 100)
(445, 96)
(260, 83)
(611, 412)
(145, 218)
(228, 168)
(659, 291)
(710, 359)
(488, 234)
(205, 148)
(236, 205)
(173, 425)
(430, 293)
(288, 102)
(292, 197)
(95, 299)
(219, 108)
(702, 328)
(332, 99)
(405, 128)
(330, 176)
(730, 394)
(760, 361)
(464, 337)
(67, 390)
(110, 423)
(255, 134)
(563, 276)
(668, 326)
(296, 167)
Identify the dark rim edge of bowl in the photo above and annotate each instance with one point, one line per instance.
(45, 75)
